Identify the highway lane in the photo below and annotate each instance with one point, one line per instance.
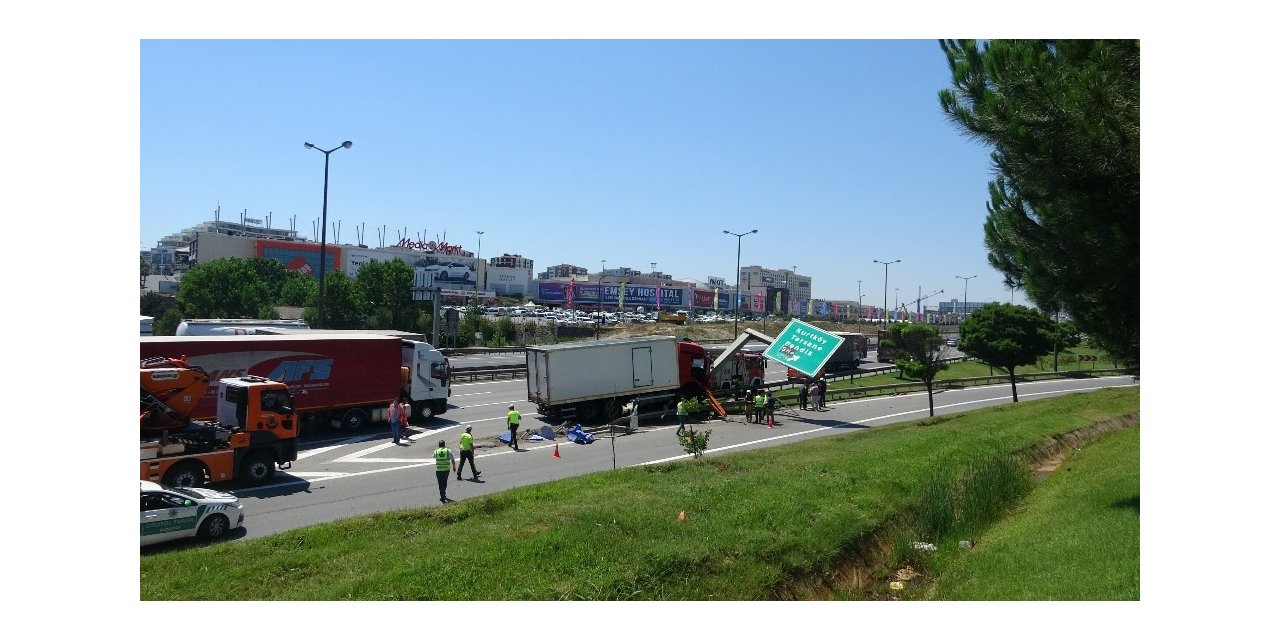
(365, 473)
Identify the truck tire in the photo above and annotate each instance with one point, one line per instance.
(214, 527)
(424, 410)
(440, 406)
(353, 419)
(184, 474)
(257, 468)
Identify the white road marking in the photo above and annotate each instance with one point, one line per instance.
(416, 463)
(876, 419)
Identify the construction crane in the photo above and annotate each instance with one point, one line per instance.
(917, 302)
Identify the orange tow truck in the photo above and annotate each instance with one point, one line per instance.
(256, 430)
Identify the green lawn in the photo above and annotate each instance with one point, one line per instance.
(1075, 538)
(758, 525)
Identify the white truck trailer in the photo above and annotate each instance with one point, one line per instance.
(591, 380)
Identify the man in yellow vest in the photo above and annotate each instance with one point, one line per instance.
(467, 451)
(444, 463)
(513, 423)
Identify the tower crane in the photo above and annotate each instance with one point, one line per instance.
(917, 301)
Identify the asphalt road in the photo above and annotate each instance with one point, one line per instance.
(365, 473)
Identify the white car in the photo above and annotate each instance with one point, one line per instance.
(179, 512)
(451, 271)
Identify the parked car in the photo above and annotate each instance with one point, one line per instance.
(951, 342)
(169, 513)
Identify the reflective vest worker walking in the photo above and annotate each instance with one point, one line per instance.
(467, 452)
(444, 464)
(513, 423)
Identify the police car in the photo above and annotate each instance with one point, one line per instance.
(178, 512)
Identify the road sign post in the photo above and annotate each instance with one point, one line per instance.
(803, 347)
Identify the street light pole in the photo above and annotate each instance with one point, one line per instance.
(886, 289)
(966, 292)
(737, 278)
(324, 223)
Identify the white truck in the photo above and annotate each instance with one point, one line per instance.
(593, 379)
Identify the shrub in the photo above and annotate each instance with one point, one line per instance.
(694, 441)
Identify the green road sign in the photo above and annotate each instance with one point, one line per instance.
(803, 347)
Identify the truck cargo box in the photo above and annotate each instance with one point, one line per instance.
(598, 369)
(323, 372)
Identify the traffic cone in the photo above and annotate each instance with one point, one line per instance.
(556, 453)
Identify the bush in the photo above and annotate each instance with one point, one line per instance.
(694, 441)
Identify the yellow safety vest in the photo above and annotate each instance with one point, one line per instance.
(442, 459)
(513, 417)
(465, 443)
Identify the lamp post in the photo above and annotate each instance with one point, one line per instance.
(737, 278)
(324, 222)
(966, 292)
(886, 289)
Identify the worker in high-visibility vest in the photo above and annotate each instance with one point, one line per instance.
(760, 403)
(444, 464)
(513, 423)
(467, 451)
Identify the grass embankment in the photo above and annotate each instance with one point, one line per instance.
(764, 524)
(1074, 538)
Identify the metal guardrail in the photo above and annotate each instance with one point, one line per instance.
(511, 371)
(737, 406)
(474, 351)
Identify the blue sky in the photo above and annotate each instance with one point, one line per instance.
(574, 151)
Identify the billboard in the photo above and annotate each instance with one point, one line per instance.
(303, 257)
(633, 295)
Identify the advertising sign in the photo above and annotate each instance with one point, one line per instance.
(803, 347)
(593, 293)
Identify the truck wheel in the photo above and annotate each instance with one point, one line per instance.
(214, 527)
(424, 410)
(257, 469)
(184, 474)
(352, 420)
(440, 406)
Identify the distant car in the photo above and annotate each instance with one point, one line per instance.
(169, 513)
